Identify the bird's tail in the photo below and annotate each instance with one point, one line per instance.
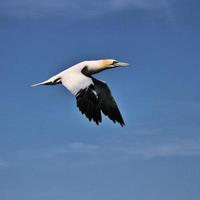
(42, 83)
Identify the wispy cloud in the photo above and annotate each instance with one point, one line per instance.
(77, 8)
(173, 148)
(81, 147)
(143, 4)
(79, 154)
(3, 163)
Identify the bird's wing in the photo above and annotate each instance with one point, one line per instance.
(93, 96)
(82, 87)
(107, 102)
(88, 103)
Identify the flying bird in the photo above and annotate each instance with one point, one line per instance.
(93, 96)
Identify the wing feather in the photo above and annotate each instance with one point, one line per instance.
(107, 102)
(88, 104)
(94, 97)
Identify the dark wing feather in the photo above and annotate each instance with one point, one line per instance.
(107, 102)
(88, 104)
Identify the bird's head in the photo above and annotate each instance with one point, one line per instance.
(96, 66)
(111, 63)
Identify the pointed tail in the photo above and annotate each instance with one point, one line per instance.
(42, 83)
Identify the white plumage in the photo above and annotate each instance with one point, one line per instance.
(92, 95)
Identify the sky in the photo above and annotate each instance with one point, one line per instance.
(49, 151)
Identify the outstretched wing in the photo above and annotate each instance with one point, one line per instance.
(88, 103)
(83, 88)
(94, 96)
(107, 102)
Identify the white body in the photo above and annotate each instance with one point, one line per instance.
(73, 78)
(93, 96)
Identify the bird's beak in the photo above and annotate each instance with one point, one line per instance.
(121, 64)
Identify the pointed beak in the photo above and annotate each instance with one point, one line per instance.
(121, 64)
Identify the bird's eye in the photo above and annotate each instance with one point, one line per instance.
(114, 62)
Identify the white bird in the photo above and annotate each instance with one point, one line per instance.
(93, 96)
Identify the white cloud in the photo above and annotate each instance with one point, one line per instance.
(82, 147)
(79, 154)
(143, 4)
(174, 148)
(177, 147)
(76, 8)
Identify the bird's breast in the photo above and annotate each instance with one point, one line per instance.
(74, 81)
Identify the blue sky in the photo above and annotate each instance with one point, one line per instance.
(48, 150)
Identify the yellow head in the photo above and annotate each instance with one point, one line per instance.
(110, 63)
(96, 66)
(106, 63)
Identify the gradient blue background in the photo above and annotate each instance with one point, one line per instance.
(49, 151)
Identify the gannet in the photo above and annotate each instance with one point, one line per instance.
(93, 96)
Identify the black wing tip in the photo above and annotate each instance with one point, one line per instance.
(92, 106)
(99, 121)
(122, 124)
